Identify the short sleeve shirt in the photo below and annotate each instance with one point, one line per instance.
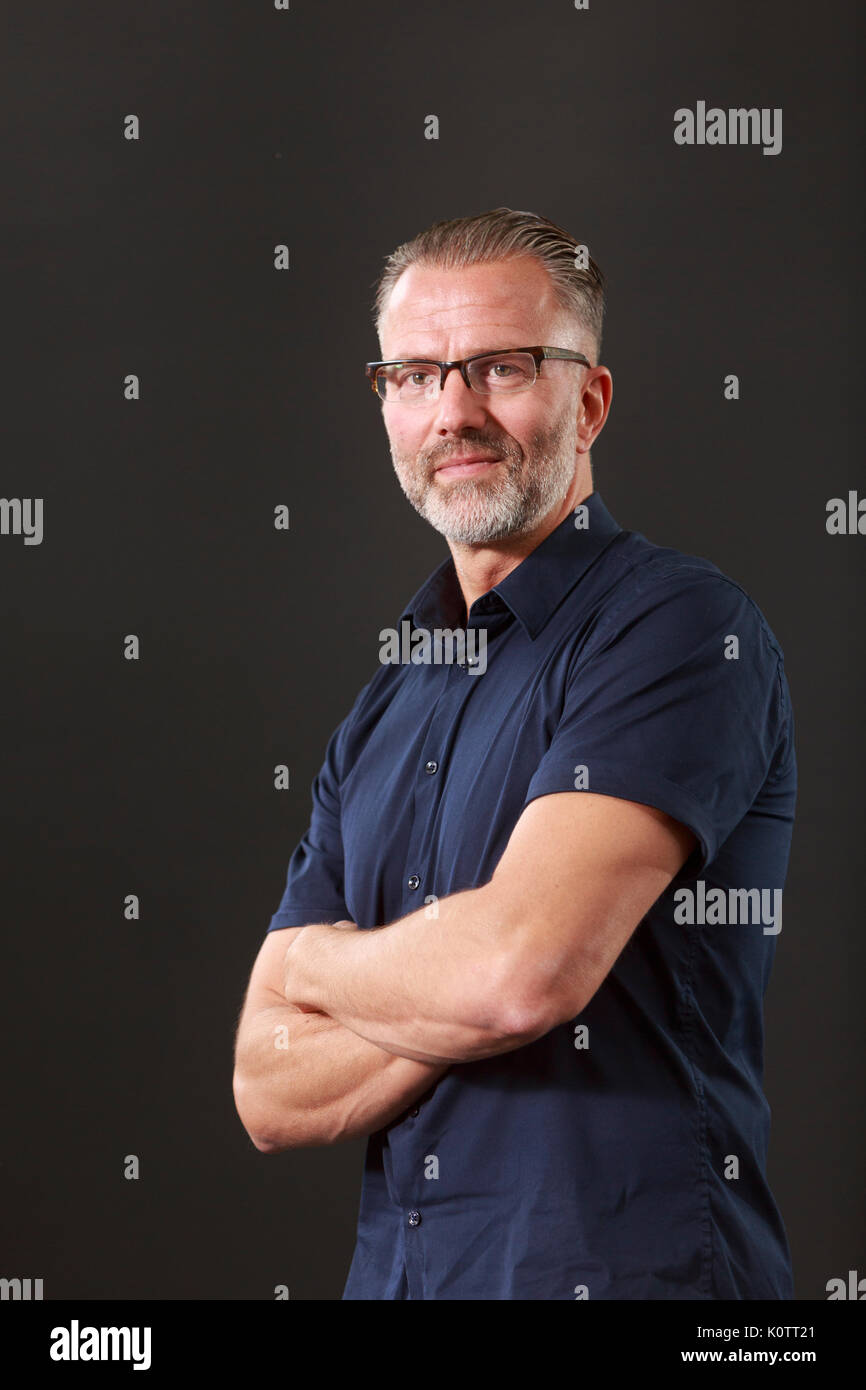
(622, 1155)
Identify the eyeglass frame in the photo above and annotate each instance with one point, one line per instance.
(540, 354)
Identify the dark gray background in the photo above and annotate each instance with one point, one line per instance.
(155, 777)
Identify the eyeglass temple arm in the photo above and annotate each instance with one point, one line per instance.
(565, 354)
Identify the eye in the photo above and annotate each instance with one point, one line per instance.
(503, 372)
(414, 377)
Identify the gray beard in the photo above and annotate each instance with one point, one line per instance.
(472, 511)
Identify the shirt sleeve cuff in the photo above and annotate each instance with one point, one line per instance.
(302, 915)
(631, 783)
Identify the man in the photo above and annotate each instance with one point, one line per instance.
(544, 1008)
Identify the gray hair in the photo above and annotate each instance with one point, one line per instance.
(496, 236)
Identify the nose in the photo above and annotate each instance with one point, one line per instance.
(458, 407)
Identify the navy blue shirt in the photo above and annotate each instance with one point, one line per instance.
(622, 1155)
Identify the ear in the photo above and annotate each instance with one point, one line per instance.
(595, 401)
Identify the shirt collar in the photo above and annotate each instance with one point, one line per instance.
(534, 588)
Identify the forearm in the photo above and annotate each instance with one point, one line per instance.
(302, 1079)
(438, 989)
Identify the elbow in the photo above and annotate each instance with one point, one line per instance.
(245, 1113)
(523, 1015)
(293, 1129)
(522, 1021)
(265, 1139)
(510, 1021)
(263, 1134)
(270, 1142)
(266, 1145)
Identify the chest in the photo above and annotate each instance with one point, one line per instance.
(437, 777)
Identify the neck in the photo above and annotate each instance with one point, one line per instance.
(480, 567)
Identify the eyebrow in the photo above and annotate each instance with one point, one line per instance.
(422, 357)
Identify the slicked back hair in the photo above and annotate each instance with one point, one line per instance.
(499, 235)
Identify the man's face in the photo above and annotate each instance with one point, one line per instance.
(518, 451)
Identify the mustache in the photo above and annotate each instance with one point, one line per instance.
(502, 448)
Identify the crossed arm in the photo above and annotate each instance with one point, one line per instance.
(373, 1018)
(302, 1079)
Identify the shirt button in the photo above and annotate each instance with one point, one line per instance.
(414, 1218)
(416, 1110)
(431, 766)
(414, 881)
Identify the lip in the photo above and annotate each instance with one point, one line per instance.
(465, 467)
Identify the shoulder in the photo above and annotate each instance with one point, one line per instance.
(663, 594)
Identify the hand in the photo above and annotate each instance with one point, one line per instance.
(291, 935)
(292, 964)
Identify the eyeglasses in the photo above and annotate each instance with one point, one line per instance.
(417, 382)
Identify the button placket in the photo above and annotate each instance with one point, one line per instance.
(428, 780)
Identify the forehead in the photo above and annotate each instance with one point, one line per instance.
(501, 304)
